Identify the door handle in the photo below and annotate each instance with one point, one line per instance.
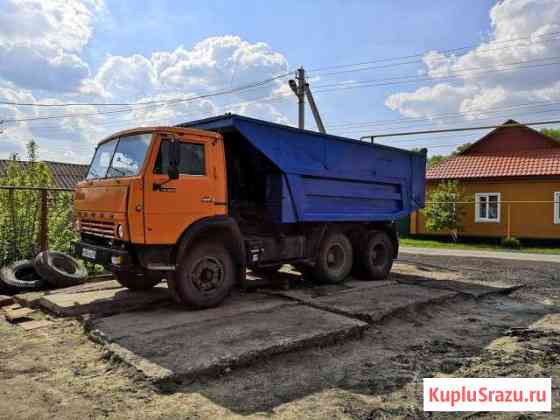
(207, 199)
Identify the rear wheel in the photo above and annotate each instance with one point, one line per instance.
(334, 261)
(137, 281)
(376, 258)
(205, 275)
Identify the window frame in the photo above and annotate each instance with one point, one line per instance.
(557, 207)
(183, 141)
(486, 219)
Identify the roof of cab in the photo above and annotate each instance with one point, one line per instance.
(161, 129)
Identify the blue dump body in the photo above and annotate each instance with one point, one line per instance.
(325, 178)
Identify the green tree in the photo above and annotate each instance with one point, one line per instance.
(437, 159)
(551, 132)
(443, 211)
(20, 209)
(460, 149)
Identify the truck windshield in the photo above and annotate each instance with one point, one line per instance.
(120, 157)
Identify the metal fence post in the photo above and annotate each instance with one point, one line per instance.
(509, 220)
(12, 210)
(44, 224)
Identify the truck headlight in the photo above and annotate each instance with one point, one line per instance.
(120, 232)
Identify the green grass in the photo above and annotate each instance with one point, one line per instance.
(434, 243)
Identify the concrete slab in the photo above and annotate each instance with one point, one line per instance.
(194, 343)
(103, 302)
(309, 294)
(5, 300)
(14, 315)
(471, 289)
(375, 303)
(171, 316)
(31, 299)
(33, 325)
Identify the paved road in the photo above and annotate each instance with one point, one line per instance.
(505, 255)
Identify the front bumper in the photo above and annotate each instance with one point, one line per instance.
(105, 256)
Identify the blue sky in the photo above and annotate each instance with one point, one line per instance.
(94, 51)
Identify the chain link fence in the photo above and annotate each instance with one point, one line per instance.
(489, 216)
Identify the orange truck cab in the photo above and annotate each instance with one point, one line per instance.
(197, 207)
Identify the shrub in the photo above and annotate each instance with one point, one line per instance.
(20, 210)
(511, 243)
(444, 212)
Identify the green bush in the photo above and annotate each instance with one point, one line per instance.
(20, 210)
(511, 243)
(444, 212)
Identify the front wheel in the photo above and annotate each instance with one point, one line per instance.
(205, 276)
(136, 281)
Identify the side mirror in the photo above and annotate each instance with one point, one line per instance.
(174, 159)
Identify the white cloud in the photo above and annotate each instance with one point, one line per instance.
(48, 35)
(492, 87)
(212, 64)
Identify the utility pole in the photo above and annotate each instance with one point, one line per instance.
(314, 109)
(298, 87)
(301, 89)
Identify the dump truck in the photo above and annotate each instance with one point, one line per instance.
(200, 203)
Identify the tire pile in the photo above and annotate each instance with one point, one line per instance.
(49, 269)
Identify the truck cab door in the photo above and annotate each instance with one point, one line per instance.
(171, 205)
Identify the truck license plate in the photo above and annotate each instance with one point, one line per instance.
(88, 253)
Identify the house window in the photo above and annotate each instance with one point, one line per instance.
(487, 207)
(557, 207)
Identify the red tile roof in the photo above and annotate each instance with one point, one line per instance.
(539, 162)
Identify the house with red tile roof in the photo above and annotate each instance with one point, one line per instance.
(511, 178)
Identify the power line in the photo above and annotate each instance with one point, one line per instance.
(341, 87)
(153, 102)
(360, 129)
(421, 61)
(412, 78)
(437, 117)
(410, 133)
(320, 69)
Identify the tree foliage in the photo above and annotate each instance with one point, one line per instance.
(20, 209)
(444, 211)
(551, 132)
(436, 159)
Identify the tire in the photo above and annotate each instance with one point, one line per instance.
(59, 269)
(334, 260)
(21, 275)
(137, 281)
(376, 257)
(205, 275)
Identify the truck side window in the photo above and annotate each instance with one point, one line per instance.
(192, 159)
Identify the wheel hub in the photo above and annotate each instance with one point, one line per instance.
(207, 274)
(335, 256)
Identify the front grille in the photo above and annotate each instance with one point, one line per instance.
(98, 227)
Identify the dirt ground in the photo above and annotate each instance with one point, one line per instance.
(59, 373)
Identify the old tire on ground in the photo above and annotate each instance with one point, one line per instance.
(334, 260)
(376, 257)
(205, 275)
(137, 281)
(59, 269)
(20, 275)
